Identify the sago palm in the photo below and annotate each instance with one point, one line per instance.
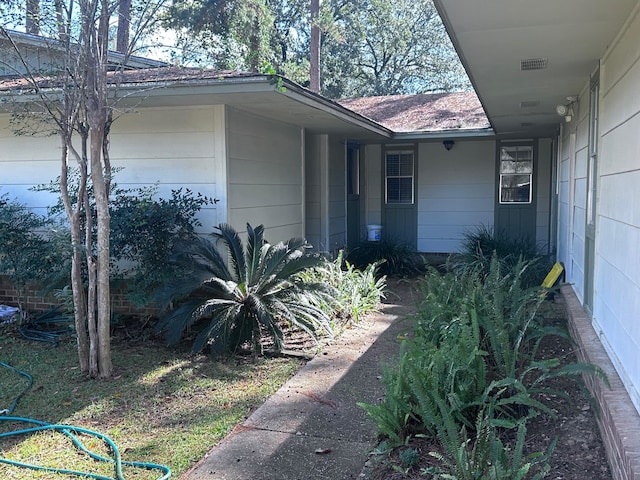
(242, 293)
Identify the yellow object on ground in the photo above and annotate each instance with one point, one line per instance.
(553, 275)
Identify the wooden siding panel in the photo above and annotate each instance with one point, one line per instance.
(616, 306)
(455, 191)
(186, 157)
(265, 172)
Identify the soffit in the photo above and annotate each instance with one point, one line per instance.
(494, 36)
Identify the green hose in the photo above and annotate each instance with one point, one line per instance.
(70, 432)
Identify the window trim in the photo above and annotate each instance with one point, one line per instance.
(501, 176)
(400, 151)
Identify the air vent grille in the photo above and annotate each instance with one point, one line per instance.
(533, 64)
(529, 104)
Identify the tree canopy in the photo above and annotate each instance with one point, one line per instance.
(369, 47)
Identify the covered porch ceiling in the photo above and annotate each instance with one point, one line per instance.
(525, 57)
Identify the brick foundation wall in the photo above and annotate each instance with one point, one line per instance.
(619, 421)
(35, 302)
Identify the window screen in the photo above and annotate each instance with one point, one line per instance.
(399, 177)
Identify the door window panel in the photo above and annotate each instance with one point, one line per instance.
(399, 178)
(516, 174)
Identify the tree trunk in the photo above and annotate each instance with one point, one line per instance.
(61, 20)
(32, 17)
(95, 49)
(314, 73)
(124, 24)
(75, 221)
(103, 295)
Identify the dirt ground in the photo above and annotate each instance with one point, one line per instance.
(579, 453)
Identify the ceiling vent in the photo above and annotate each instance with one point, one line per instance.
(529, 104)
(533, 64)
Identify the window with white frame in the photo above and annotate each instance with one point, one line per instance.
(516, 174)
(399, 177)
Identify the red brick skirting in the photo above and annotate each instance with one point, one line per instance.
(33, 300)
(619, 421)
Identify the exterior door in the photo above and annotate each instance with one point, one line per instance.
(515, 212)
(353, 196)
(400, 221)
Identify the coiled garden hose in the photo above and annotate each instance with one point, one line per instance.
(71, 432)
(50, 327)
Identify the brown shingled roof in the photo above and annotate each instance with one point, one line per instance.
(422, 112)
(137, 76)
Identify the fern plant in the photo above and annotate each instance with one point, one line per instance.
(485, 456)
(357, 292)
(258, 293)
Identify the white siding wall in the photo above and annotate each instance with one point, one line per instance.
(325, 177)
(565, 196)
(265, 175)
(617, 281)
(572, 203)
(456, 191)
(26, 161)
(174, 148)
(170, 147)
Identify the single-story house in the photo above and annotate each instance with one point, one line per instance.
(556, 158)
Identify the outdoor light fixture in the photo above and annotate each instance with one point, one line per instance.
(448, 144)
(566, 111)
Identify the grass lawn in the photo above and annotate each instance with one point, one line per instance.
(161, 406)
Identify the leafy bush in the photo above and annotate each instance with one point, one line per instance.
(357, 291)
(400, 259)
(471, 369)
(262, 289)
(144, 231)
(480, 245)
(485, 456)
(29, 252)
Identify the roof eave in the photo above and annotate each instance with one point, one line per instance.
(303, 95)
(465, 64)
(440, 134)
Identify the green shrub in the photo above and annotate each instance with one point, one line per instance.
(357, 291)
(471, 369)
(400, 259)
(145, 229)
(485, 456)
(480, 245)
(30, 254)
(253, 296)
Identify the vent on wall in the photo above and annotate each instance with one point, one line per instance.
(529, 104)
(533, 64)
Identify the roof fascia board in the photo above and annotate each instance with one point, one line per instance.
(471, 133)
(306, 97)
(131, 61)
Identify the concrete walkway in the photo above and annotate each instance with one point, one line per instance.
(312, 428)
